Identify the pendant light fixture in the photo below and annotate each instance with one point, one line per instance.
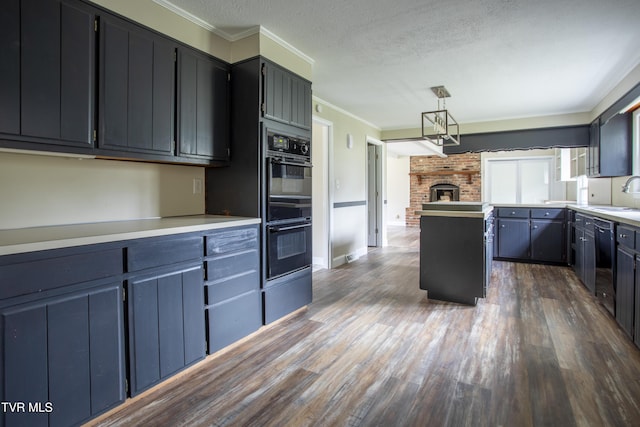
(438, 126)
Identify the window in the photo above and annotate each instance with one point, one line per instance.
(518, 180)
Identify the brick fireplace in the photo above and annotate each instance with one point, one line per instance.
(461, 170)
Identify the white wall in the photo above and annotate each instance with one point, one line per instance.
(348, 186)
(398, 189)
(44, 190)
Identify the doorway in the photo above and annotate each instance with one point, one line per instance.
(374, 194)
(321, 199)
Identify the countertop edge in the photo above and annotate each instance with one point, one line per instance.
(212, 223)
(456, 214)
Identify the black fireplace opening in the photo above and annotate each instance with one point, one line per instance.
(445, 193)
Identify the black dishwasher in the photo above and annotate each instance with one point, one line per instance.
(605, 253)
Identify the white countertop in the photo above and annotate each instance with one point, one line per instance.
(483, 212)
(21, 240)
(619, 214)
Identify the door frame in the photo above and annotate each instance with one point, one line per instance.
(327, 165)
(380, 171)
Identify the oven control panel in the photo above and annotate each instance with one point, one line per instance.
(288, 144)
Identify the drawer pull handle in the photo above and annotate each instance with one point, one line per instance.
(546, 214)
(535, 226)
(513, 213)
(623, 236)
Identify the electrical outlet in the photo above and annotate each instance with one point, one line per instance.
(197, 186)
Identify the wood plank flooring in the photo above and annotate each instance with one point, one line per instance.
(372, 349)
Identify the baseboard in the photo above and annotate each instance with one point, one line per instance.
(350, 257)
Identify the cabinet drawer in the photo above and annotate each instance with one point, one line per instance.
(231, 265)
(143, 255)
(584, 221)
(232, 240)
(58, 269)
(513, 212)
(626, 236)
(232, 286)
(232, 320)
(556, 213)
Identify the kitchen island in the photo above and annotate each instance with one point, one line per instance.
(456, 250)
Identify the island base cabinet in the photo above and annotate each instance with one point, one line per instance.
(446, 244)
(166, 325)
(63, 357)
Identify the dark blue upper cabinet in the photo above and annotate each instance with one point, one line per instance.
(203, 106)
(47, 72)
(286, 97)
(610, 146)
(137, 84)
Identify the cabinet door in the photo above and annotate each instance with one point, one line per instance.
(548, 241)
(513, 238)
(166, 325)
(625, 291)
(203, 106)
(137, 89)
(636, 329)
(10, 67)
(615, 146)
(593, 168)
(66, 350)
(301, 103)
(276, 93)
(46, 71)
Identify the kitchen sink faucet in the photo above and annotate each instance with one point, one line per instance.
(627, 185)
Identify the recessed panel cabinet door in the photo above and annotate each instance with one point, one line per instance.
(513, 238)
(46, 71)
(66, 350)
(203, 106)
(547, 241)
(137, 89)
(166, 325)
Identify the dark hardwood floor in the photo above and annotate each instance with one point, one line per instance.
(372, 349)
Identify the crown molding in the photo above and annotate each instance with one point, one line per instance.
(345, 112)
(258, 29)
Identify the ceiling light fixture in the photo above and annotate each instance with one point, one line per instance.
(439, 126)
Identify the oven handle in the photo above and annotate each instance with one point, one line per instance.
(290, 205)
(276, 229)
(284, 162)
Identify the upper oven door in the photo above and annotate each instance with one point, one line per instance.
(288, 189)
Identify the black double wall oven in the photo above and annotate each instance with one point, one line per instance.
(288, 204)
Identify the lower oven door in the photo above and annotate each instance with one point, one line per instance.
(288, 248)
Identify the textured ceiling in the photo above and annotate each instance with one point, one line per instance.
(499, 59)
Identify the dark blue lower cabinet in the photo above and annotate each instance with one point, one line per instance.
(548, 241)
(166, 324)
(514, 238)
(233, 319)
(63, 357)
(286, 294)
(625, 290)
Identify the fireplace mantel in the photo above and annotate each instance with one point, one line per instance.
(440, 172)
